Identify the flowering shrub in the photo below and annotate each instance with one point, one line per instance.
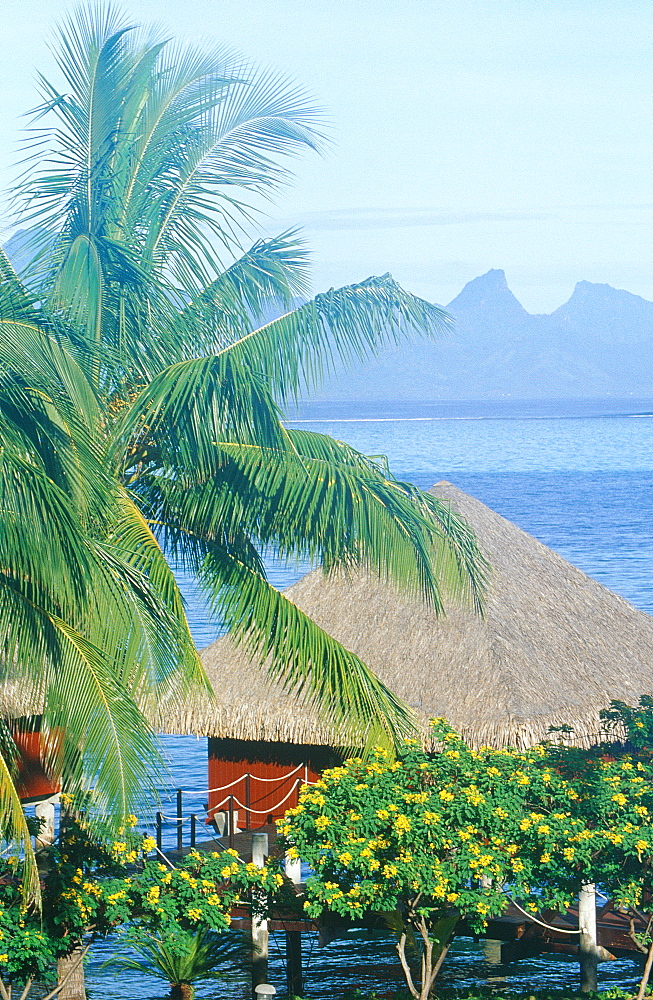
(436, 837)
(93, 887)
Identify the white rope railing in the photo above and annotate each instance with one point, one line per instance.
(258, 812)
(253, 777)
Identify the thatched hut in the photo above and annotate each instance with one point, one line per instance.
(553, 648)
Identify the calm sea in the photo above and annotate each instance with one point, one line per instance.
(579, 477)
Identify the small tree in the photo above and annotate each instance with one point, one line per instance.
(180, 958)
(431, 838)
(596, 823)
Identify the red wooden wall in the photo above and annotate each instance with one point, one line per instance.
(33, 782)
(285, 763)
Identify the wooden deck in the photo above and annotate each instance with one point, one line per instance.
(521, 936)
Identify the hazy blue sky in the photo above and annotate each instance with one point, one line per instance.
(468, 134)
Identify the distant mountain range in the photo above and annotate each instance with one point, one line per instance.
(598, 344)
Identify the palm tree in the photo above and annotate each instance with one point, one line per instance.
(138, 197)
(83, 628)
(183, 958)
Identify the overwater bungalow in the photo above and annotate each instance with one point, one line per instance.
(552, 649)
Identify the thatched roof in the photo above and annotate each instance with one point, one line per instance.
(553, 648)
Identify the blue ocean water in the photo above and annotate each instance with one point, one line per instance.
(579, 477)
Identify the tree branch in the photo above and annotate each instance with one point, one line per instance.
(28, 986)
(401, 951)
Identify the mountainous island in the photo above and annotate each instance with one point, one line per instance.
(599, 344)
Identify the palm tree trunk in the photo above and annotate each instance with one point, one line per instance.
(181, 991)
(70, 975)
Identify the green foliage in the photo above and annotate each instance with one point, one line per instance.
(180, 957)
(95, 885)
(457, 833)
(139, 383)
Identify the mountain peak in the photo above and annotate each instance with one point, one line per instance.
(487, 296)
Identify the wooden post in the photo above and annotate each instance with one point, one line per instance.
(159, 830)
(248, 802)
(588, 951)
(231, 823)
(193, 829)
(180, 822)
(259, 926)
(294, 969)
(293, 869)
(45, 811)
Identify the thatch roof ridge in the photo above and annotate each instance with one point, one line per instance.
(553, 648)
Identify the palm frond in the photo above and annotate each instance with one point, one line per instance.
(178, 418)
(267, 279)
(14, 829)
(296, 350)
(301, 655)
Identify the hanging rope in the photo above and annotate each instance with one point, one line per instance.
(258, 812)
(252, 777)
(531, 916)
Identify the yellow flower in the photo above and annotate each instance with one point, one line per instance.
(149, 843)
(452, 897)
(568, 853)
(194, 914)
(544, 829)
(213, 900)
(345, 857)
(446, 796)
(383, 814)
(322, 822)
(402, 825)
(4, 958)
(430, 818)
(620, 799)
(389, 871)
(119, 847)
(153, 894)
(546, 857)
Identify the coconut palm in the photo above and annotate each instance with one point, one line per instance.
(178, 346)
(84, 631)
